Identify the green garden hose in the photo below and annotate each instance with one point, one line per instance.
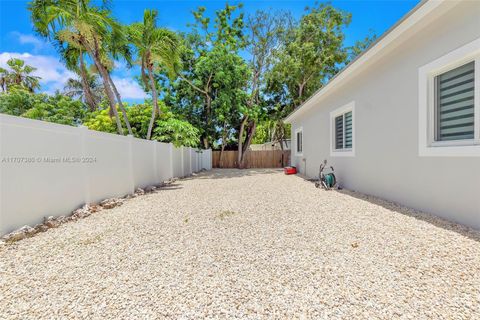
(330, 180)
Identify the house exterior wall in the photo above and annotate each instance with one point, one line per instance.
(386, 161)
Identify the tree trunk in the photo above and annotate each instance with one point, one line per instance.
(224, 137)
(206, 144)
(221, 155)
(240, 142)
(155, 108)
(300, 91)
(208, 101)
(106, 85)
(248, 141)
(86, 88)
(111, 98)
(120, 104)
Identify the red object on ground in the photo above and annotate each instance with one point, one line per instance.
(290, 170)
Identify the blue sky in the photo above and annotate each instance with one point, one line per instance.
(18, 39)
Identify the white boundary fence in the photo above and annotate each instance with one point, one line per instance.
(48, 169)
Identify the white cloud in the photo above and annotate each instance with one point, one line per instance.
(52, 72)
(37, 43)
(129, 88)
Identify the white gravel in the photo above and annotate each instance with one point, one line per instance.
(245, 244)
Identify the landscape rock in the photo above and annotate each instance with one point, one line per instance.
(111, 203)
(82, 212)
(51, 222)
(94, 208)
(14, 236)
(62, 219)
(40, 227)
(150, 189)
(139, 192)
(22, 233)
(282, 250)
(29, 231)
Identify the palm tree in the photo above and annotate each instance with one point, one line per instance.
(3, 79)
(89, 90)
(156, 48)
(81, 26)
(118, 47)
(87, 86)
(19, 75)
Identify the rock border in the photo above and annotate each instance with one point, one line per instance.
(80, 213)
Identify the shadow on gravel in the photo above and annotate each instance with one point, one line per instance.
(423, 216)
(437, 221)
(171, 186)
(232, 173)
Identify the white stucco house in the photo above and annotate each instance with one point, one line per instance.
(402, 121)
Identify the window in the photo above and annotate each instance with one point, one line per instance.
(454, 104)
(342, 131)
(299, 141)
(449, 106)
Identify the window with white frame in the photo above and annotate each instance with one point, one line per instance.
(455, 103)
(299, 141)
(342, 131)
(449, 118)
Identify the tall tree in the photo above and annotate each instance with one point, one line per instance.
(157, 48)
(4, 79)
(90, 91)
(86, 87)
(84, 27)
(20, 74)
(265, 32)
(312, 52)
(212, 67)
(117, 47)
(361, 45)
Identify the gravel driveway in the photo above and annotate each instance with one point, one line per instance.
(245, 244)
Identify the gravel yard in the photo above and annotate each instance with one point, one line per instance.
(245, 244)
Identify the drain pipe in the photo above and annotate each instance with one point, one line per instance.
(305, 166)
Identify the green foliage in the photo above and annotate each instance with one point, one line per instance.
(139, 116)
(57, 108)
(211, 89)
(168, 128)
(16, 102)
(157, 49)
(179, 132)
(270, 130)
(311, 53)
(87, 28)
(361, 45)
(100, 120)
(75, 89)
(262, 133)
(18, 75)
(203, 88)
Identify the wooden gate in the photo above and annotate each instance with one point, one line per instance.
(254, 159)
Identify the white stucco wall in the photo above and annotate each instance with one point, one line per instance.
(35, 188)
(387, 162)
